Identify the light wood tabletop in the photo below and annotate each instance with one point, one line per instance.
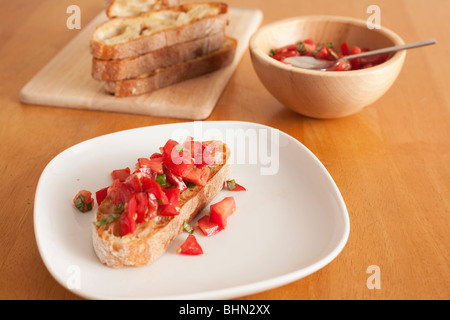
(390, 161)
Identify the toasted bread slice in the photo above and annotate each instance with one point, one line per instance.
(133, 67)
(152, 238)
(131, 8)
(173, 74)
(121, 38)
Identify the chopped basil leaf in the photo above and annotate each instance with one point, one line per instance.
(191, 185)
(329, 45)
(188, 228)
(301, 47)
(109, 219)
(161, 180)
(317, 50)
(272, 52)
(333, 54)
(231, 184)
(79, 203)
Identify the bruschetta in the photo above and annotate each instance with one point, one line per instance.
(145, 209)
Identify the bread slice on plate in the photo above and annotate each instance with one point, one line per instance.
(133, 67)
(130, 8)
(151, 237)
(121, 38)
(173, 74)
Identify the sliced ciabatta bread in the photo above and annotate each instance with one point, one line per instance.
(133, 67)
(126, 233)
(130, 8)
(173, 74)
(121, 38)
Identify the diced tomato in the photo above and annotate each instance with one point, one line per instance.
(281, 55)
(83, 201)
(119, 193)
(172, 196)
(342, 66)
(151, 186)
(322, 53)
(355, 62)
(233, 186)
(156, 155)
(220, 211)
(127, 220)
(207, 226)
(176, 158)
(169, 210)
(133, 183)
(142, 206)
(120, 174)
(152, 206)
(172, 208)
(101, 194)
(197, 175)
(175, 180)
(308, 47)
(156, 164)
(190, 246)
(344, 49)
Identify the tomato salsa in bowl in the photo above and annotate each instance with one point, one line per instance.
(320, 94)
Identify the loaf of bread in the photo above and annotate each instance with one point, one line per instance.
(121, 38)
(173, 74)
(152, 238)
(121, 69)
(130, 8)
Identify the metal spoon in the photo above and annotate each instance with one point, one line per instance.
(307, 62)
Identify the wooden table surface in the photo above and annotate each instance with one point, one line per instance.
(391, 161)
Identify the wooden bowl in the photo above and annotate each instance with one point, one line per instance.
(319, 94)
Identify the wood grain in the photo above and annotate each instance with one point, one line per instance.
(390, 161)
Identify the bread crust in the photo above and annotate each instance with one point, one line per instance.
(175, 73)
(151, 239)
(115, 8)
(133, 67)
(141, 42)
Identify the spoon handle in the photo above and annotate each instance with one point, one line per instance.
(392, 49)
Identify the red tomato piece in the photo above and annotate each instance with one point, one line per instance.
(83, 201)
(142, 206)
(208, 227)
(281, 55)
(151, 186)
(343, 65)
(176, 158)
(120, 174)
(127, 220)
(322, 53)
(373, 60)
(133, 183)
(152, 206)
(169, 210)
(101, 194)
(119, 193)
(172, 196)
(355, 62)
(220, 211)
(175, 180)
(155, 164)
(190, 246)
(197, 175)
(344, 49)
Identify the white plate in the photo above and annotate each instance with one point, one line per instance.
(290, 222)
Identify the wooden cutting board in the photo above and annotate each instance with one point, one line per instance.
(66, 80)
